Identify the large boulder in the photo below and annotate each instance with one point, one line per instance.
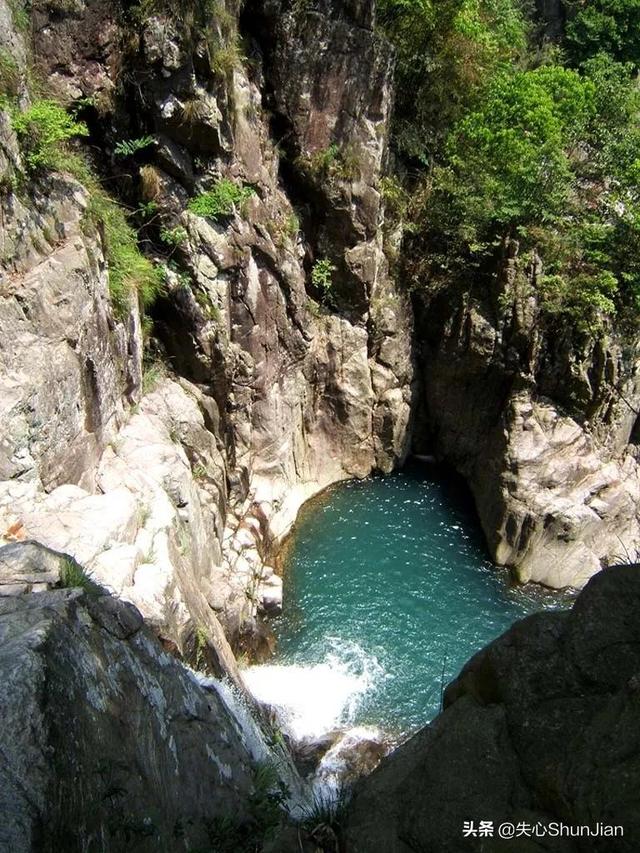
(107, 741)
(540, 728)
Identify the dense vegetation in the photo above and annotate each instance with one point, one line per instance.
(44, 129)
(502, 132)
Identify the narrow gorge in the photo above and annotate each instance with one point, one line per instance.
(240, 265)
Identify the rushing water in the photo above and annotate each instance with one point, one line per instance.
(388, 591)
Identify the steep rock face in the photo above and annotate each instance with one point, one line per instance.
(277, 395)
(540, 726)
(122, 749)
(150, 529)
(68, 369)
(539, 423)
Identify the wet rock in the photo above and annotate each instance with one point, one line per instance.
(308, 753)
(353, 754)
(269, 593)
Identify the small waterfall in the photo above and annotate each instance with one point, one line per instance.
(312, 700)
(316, 706)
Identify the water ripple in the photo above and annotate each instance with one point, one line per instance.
(387, 586)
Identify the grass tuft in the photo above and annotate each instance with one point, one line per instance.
(73, 576)
(325, 814)
(222, 200)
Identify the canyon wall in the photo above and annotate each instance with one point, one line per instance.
(539, 418)
(174, 489)
(169, 454)
(262, 386)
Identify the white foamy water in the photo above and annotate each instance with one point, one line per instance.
(314, 699)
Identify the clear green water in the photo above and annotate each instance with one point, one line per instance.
(388, 587)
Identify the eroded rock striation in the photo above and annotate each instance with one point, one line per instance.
(107, 741)
(539, 727)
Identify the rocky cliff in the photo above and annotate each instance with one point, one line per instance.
(166, 448)
(174, 490)
(540, 420)
(264, 383)
(538, 728)
(108, 743)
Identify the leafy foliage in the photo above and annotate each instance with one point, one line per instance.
(503, 138)
(508, 161)
(129, 270)
(268, 799)
(221, 200)
(446, 53)
(603, 26)
(173, 236)
(20, 15)
(128, 147)
(322, 276)
(43, 129)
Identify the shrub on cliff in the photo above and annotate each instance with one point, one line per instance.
(322, 277)
(130, 271)
(43, 129)
(222, 200)
(509, 160)
(9, 75)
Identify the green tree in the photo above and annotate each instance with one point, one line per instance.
(509, 161)
(446, 53)
(603, 26)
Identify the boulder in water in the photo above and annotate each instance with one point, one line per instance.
(354, 753)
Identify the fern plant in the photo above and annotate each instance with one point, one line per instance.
(128, 147)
